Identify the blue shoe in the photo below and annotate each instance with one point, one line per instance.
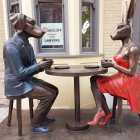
(39, 129)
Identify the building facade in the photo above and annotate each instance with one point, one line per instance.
(78, 31)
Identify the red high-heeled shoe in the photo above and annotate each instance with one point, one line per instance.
(104, 122)
(96, 118)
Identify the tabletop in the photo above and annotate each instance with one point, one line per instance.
(75, 70)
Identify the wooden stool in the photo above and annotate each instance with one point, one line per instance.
(118, 100)
(19, 113)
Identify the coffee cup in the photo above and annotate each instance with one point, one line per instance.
(106, 60)
(47, 59)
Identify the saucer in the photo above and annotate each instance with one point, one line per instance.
(91, 66)
(61, 67)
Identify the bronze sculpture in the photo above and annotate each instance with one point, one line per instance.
(21, 66)
(125, 83)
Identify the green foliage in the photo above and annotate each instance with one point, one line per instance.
(85, 17)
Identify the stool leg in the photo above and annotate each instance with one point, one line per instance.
(10, 112)
(114, 107)
(19, 116)
(120, 114)
(139, 116)
(31, 107)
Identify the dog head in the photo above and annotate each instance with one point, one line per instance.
(23, 23)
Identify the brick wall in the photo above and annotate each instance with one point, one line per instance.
(112, 16)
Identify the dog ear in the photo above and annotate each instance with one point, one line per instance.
(131, 11)
(18, 21)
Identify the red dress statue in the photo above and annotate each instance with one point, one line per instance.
(126, 82)
(122, 85)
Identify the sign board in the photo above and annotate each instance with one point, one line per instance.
(53, 35)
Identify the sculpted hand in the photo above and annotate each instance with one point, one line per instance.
(45, 64)
(107, 63)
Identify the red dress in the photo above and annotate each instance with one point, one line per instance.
(122, 85)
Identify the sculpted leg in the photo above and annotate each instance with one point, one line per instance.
(102, 107)
(96, 93)
(47, 95)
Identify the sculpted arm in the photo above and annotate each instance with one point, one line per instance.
(12, 53)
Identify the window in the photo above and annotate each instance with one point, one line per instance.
(14, 7)
(50, 17)
(88, 26)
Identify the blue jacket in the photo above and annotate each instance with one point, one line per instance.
(20, 66)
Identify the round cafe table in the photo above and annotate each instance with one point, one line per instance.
(76, 71)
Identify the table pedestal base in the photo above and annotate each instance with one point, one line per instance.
(77, 126)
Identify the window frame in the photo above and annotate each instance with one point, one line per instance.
(10, 4)
(54, 51)
(93, 49)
